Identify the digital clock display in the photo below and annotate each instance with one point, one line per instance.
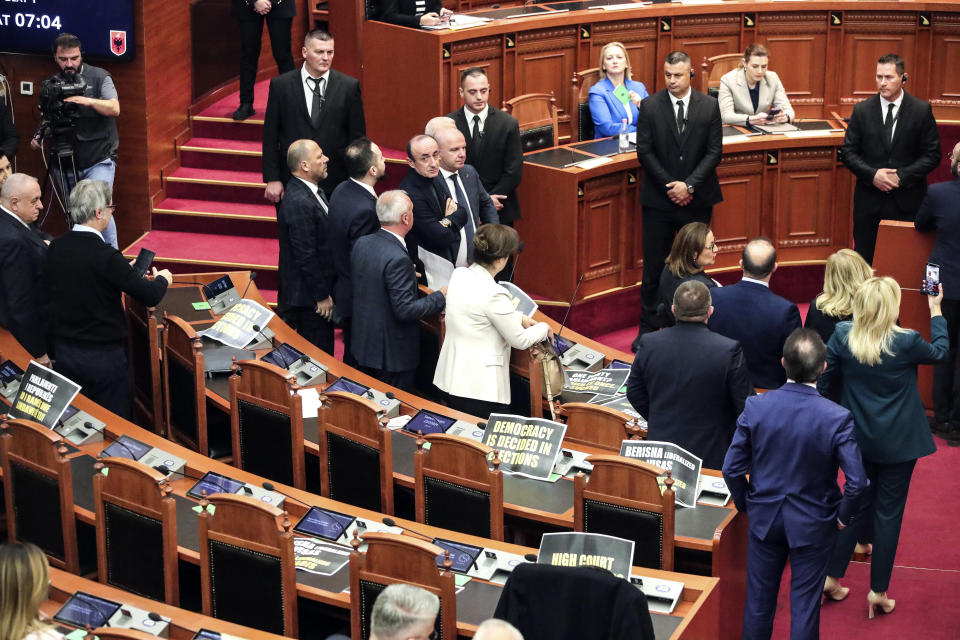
(105, 27)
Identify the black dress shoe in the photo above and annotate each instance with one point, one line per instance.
(938, 427)
(953, 435)
(244, 111)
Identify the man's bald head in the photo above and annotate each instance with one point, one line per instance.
(16, 186)
(435, 124)
(453, 148)
(759, 259)
(496, 629)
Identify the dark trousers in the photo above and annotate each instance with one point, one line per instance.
(480, 408)
(808, 569)
(866, 223)
(308, 324)
(400, 379)
(101, 371)
(659, 227)
(883, 503)
(346, 327)
(946, 404)
(251, 30)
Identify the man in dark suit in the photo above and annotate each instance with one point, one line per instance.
(791, 441)
(386, 302)
(679, 144)
(251, 15)
(757, 318)
(939, 213)
(305, 296)
(891, 145)
(493, 143)
(23, 253)
(9, 138)
(688, 382)
(353, 213)
(314, 102)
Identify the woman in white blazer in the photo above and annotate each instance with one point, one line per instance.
(481, 327)
(749, 92)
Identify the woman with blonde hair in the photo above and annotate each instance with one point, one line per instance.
(872, 366)
(846, 271)
(617, 96)
(24, 582)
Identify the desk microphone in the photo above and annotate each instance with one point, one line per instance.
(392, 396)
(390, 522)
(253, 276)
(257, 328)
(570, 307)
(530, 557)
(268, 486)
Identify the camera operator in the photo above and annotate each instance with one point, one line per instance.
(87, 123)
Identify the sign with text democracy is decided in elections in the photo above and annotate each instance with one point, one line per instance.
(683, 465)
(44, 395)
(574, 549)
(235, 327)
(527, 446)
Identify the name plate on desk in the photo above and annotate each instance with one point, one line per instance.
(527, 446)
(683, 465)
(587, 549)
(43, 396)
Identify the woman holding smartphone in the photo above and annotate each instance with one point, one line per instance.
(752, 94)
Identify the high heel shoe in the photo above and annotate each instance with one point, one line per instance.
(881, 600)
(833, 590)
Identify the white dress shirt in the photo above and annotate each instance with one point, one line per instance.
(686, 106)
(308, 87)
(896, 111)
(462, 253)
(86, 229)
(483, 118)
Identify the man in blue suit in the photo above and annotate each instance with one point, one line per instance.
(386, 302)
(754, 316)
(791, 442)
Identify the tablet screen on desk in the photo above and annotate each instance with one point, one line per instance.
(9, 371)
(323, 523)
(68, 413)
(206, 634)
(85, 610)
(561, 345)
(214, 483)
(218, 286)
(283, 356)
(126, 447)
(618, 364)
(348, 385)
(461, 554)
(429, 422)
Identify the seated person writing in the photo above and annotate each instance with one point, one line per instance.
(413, 13)
(750, 94)
(617, 96)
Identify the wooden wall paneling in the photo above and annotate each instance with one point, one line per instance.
(631, 236)
(640, 39)
(347, 24)
(484, 53)
(798, 53)
(842, 207)
(545, 63)
(508, 78)
(704, 36)
(867, 36)
(807, 194)
(741, 179)
(944, 83)
(598, 247)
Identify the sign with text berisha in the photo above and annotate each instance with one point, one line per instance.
(44, 395)
(235, 327)
(587, 550)
(527, 446)
(684, 466)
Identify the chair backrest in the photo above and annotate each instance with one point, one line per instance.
(143, 345)
(247, 571)
(136, 530)
(537, 115)
(183, 386)
(598, 426)
(455, 487)
(356, 453)
(713, 68)
(623, 499)
(266, 422)
(580, 118)
(38, 491)
(392, 558)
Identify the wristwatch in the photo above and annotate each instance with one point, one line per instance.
(446, 222)
(689, 188)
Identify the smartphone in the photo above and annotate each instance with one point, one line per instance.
(931, 280)
(773, 113)
(144, 260)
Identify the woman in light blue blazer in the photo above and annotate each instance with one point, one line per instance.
(609, 104)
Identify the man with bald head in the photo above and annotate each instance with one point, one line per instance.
(435, 124)
(497, 629)
(755, 316)
(23, 253)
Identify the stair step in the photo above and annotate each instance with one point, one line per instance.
(226, 128)
(244, 187)
(217, 209)
(236, 252)
(221, 153)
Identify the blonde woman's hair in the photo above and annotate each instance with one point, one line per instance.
(876, 306)
(628, 73)
(846, 271)
(24, 583)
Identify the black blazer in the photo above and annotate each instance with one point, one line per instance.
(243, 9)
(914, 152)
(353, 213)
(402, 12)
(287, 120)
(387, 305)
(666, 155)
(9, 138)
(690, 384)
(305, 265)
(939, 211)
(820, 322)
(429, 198)
(498, 158)
(22, 257)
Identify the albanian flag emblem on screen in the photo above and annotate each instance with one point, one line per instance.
(118, 42)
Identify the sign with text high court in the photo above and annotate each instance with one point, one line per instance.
(44, 395)
(574, 549)
(527, 446)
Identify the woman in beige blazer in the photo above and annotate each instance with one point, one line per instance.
(482, 325)
(749, 92)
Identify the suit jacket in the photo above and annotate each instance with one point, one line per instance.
(243, 9)
(403, 12)
(914, 152)
(305, 265)
(939, 212)
(690, 384)
(9, 138)
(353, 213)
(386, 304)
(791, 441)
(668, 155)
(608, 112)
(481, 327)
(22, 257)
(498, 158)
(735, 103)
(287, 120)
(761, 321)
(891, 424)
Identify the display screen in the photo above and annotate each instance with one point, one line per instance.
(561, 345)
(206, 634)
(105, 27)
(618, 364)
(283, 356)
(348, 385)
(9, 371)
(325, 524)
(461, 554)
(86, 611)
(68, 413)
(214, 483)
(126, 447)
(429, 422)
(218, 286)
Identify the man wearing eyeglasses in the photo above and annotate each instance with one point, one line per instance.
(404, 612)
